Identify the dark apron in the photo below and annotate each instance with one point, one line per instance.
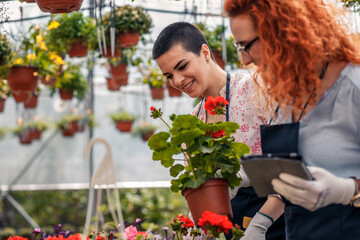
(333, 222)
(246, 203)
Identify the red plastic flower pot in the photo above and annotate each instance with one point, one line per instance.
(119, 70)
(22, 78)
(145, 137)
(25, 138)
(2, 104)
(31, 102)
(124, 126)
(108, 54)
(128, 39)
(78, 49)
(112, 84)
(21, 96)
(71, 130)
(218, 59)
(157, 93)
(35, 134)
(173, 92)
(213, 195)
(66, 94)
(59, 6)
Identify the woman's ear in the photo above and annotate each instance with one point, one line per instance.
(205, 51)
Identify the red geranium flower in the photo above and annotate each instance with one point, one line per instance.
(216, 105)
(214, 223)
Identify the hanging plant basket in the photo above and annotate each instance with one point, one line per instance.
(119, 70)
(218, 58)
(31, 102)
(124, 126)
(25, 138)
(117, 53)
(59, 6)
(112, 84)
(21, 96)
(128, 39)
(35, 134)
(2, 104)
(145, 136)
(157, 93)
(70, 130)
(78, 49)
(173, 92)
(213, 196)
(22, 79)
(66, 94)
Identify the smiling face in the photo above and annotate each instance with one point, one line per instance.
(243, 29)
(187, 71)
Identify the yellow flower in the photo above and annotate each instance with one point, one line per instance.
(56, 58)
(53, 25)
(30, 56)
(19, 61)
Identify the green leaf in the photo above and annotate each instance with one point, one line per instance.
(240, 149)
(158, 141)
(187, 137)
(176, 169)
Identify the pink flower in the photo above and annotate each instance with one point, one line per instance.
(130, 232)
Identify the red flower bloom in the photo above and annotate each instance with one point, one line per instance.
(215, 223)
(152, 108)
(216, 105)
(218, 134)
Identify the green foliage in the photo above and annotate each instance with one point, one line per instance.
(7, 232)
(40, 125)
(127, 57)
(214, 39)
(5, 50)
(122, 116)
(354, 4)
(204, 155)
(154, 78)
(3, 131)
(71, 27)
(71, 79)
(4, 89)
(129, 19)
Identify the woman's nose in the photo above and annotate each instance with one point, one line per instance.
(178, 80)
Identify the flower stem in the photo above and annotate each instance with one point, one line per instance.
(165, 122)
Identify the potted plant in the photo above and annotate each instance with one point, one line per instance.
(37, 128)
(88, 120)
(210, 152)
(156, 81)
(72, 33)
(68, 124)
(22, 131)
(145, 130)
(59, 6)
(130, 23)
(214, 39)
(71, 83)
(123, 120)
(5, 92)
(32, 100)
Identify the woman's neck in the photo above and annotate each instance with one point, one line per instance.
(217, 80)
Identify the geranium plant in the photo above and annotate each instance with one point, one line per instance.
(208, 148)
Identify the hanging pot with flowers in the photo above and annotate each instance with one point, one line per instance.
(130, 24)
(32, 100)
(59, 6)
(209, 152)
(22, 131)
(72, 33)
(36, 128)
(145, 130)
(156, 81)
(68, 124)
(123, 120)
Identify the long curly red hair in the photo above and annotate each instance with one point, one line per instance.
(298, 37)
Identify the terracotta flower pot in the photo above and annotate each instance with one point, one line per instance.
(157, 93)
(22, 79)
(59, 6)
(71, 130)
(25, 138)
(35, 134)
(213, 196)
(117, 53)
(31, 102)
(128, 39)
(2, 104)
(119, 70)
(173, 92)
(78, 49)
(21, 96)
(124, 126)
(112, 84)
(146, 136)
(218, 59)
(66, 94)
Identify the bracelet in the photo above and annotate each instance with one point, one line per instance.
(272, 220)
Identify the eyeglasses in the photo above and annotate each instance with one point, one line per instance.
(246, 48)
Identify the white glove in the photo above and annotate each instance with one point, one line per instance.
(257, 227)
(244, 183)
(324, 190)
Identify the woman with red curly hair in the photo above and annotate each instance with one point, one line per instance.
(310, 70)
